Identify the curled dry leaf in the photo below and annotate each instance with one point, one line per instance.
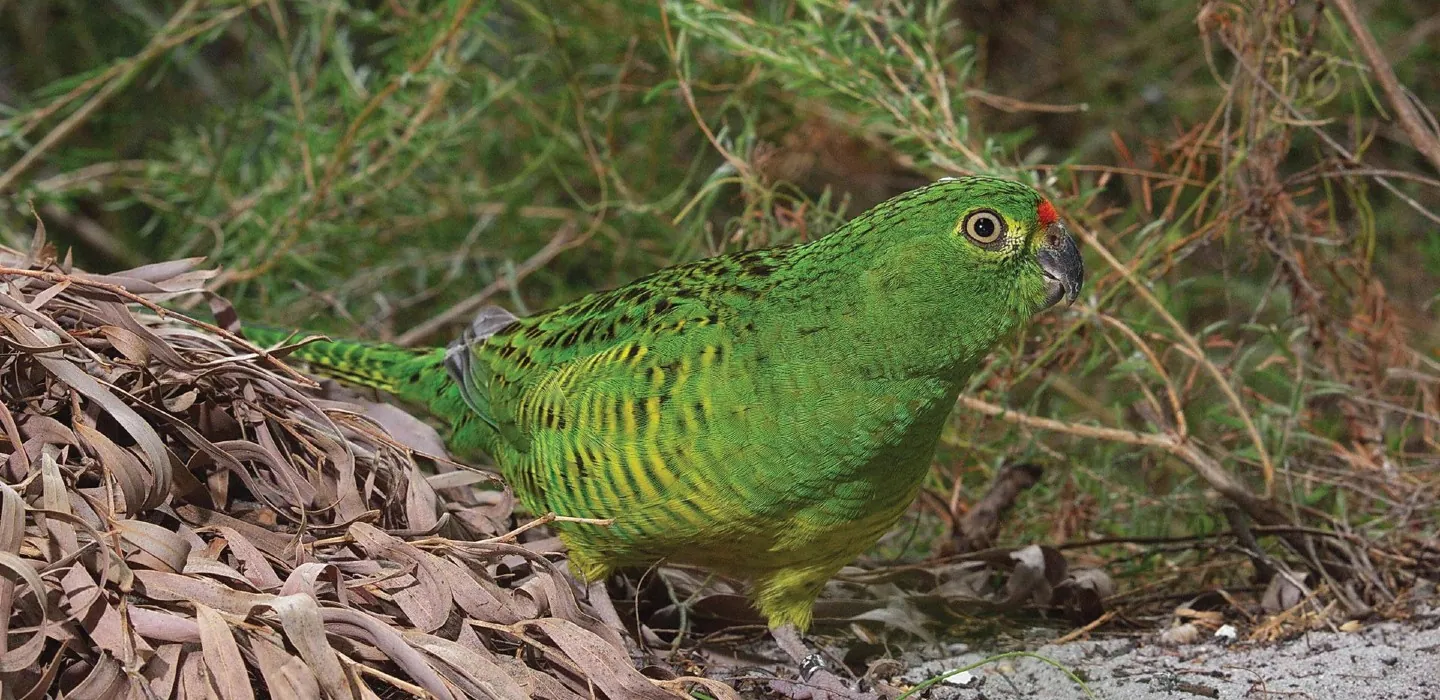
(1285, 591)
(1082, 594)
(1181, 635)
(592, 654)
(207, 525)
(28, 652)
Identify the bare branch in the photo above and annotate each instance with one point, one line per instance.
(1421, 137)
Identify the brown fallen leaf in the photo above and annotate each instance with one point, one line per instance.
(222, 655)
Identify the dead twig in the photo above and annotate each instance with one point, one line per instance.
(978, 528)
(1421, 137)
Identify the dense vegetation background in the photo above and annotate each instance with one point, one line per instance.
(1257, 195)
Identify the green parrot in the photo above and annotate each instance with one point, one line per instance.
(766, 414)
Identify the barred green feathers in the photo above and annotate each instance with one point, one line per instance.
(385, 367)
(767, 414)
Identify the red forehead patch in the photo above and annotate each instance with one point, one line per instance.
(1046, 212)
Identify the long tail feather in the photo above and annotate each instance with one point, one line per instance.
(439, 380)
(415, 376)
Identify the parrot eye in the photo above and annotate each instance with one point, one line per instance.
(984, 227)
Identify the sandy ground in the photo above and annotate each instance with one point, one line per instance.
(1383, 661)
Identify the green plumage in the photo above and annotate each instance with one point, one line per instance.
(766, 414)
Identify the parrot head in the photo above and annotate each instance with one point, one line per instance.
(1006, 235)
(964, 260)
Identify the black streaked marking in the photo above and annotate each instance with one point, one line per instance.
(553, 419)
(581, 462)
(758, 268)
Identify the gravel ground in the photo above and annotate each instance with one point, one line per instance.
(1383, 661)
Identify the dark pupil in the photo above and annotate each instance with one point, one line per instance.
(984, 227)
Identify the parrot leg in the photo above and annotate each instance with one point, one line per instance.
(816, 682)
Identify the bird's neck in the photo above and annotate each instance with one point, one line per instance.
(897, 312)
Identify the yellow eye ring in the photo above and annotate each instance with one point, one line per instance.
(985, 227)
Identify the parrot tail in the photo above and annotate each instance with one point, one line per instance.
(443, 381)
(416, 376)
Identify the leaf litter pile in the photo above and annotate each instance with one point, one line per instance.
(180, 516)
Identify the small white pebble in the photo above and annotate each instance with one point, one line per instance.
(1226, 633)
(961, 679)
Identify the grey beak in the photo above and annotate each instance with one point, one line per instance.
(1060, 260)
